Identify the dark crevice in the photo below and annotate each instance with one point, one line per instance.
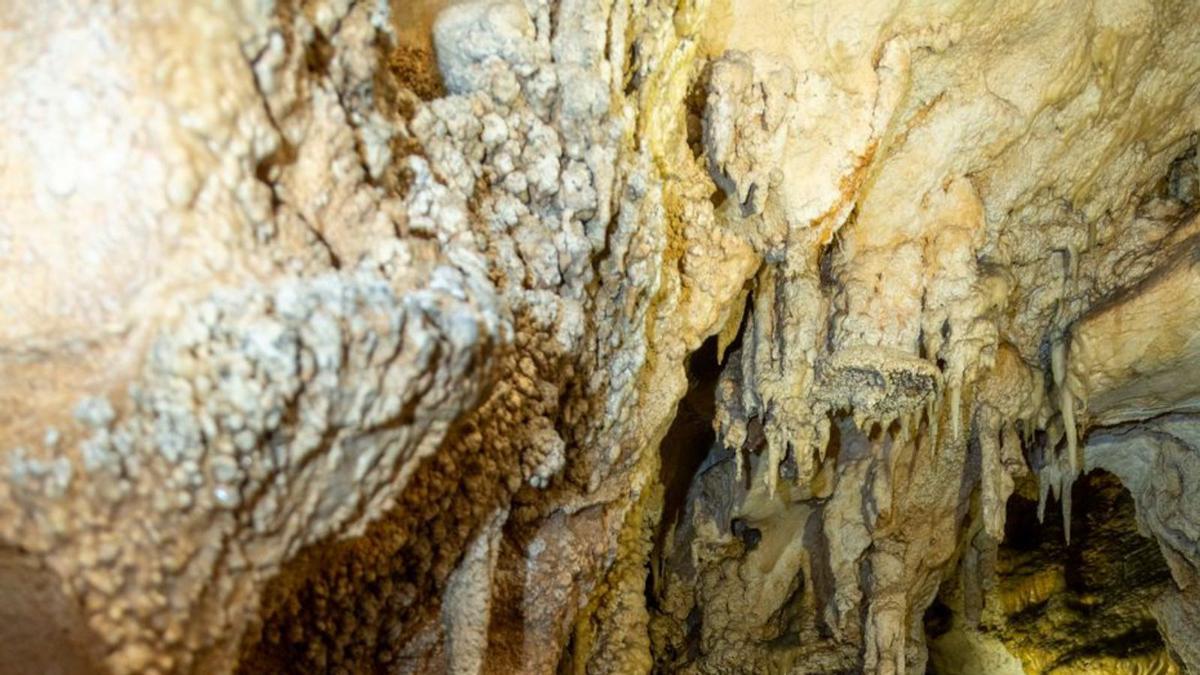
(1071, 605)
(939, 618)
(696, 102)
(318, 55)
(690, 437)
(1182, 182)
(632, 70)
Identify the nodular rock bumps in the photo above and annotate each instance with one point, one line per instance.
(599, 336)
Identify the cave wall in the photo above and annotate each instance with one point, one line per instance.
(348, 335)
(1083, 607)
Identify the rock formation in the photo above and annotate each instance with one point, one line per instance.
(599, 336)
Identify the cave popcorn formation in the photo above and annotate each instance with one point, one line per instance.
(495, 336)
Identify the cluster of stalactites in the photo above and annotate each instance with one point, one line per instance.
(782, 393)
(884, 391)
(1062, 460)
(1014, 403)
(866, 384)
(905, 397)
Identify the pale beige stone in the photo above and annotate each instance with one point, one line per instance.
(344, 335)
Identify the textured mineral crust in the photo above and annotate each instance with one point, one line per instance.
(599, 336)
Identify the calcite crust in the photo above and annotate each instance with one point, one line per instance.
(530, 336)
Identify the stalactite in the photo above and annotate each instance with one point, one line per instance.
(348, 336)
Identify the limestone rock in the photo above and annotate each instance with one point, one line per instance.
(530, 336)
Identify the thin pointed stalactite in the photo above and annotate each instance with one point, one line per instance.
(598, 336)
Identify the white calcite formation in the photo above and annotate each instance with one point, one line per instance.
(344, 336)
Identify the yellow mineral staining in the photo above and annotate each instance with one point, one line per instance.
(1084, 608)
(1026, 591)
(1038, 662)
(395, 296)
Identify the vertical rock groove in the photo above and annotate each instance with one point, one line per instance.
(600, 336)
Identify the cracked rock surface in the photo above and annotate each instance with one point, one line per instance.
(599, 336)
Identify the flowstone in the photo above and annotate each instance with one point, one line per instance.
(354, 335)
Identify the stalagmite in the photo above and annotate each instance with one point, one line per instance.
(954, 393)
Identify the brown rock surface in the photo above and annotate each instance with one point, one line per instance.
(588, 335)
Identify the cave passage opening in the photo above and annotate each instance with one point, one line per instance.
(687, 444)
(1058, 607)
